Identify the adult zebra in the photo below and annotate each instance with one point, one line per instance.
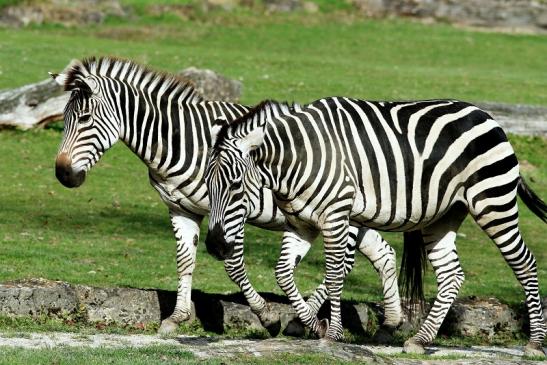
(417, 166)
(167, 124)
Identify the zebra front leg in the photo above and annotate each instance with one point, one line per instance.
(186, 231)
(335, 238)
(235, 267)
(294, 247)
(442, 254)
(316, 300)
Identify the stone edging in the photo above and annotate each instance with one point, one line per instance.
(218, 313)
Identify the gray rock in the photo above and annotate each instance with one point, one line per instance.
(36, 297)
(481, 317)
(361, 315)
(227, 5)
(66, 12)
(213, 86)
(126, 306)
(119, 305)
(508, 14)
(282, 6)
(239, 316)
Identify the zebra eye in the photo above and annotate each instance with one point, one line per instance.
(84, 118)
(236, 184)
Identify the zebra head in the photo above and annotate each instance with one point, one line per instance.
(91, 125)
(230, 177)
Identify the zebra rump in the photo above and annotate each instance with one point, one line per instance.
(414, 264)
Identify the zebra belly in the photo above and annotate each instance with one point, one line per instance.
(370, 214)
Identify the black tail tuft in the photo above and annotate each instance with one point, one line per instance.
(412, 272)
(532, 201)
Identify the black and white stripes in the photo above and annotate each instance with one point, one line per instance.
(168, 125)
(417, 166)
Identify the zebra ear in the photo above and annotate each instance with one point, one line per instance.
(216, 126)
(252, 140)
(60, 79)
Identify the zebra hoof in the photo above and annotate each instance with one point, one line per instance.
(412, 346)
(270, 320)
(167, 327)
(322, 328)
(533, 349)
(273, 326)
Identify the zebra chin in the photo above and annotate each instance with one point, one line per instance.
(216, 244)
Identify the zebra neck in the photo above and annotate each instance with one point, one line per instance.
(174, 138)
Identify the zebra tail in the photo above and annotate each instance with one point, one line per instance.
(412, 272)
(532, 201)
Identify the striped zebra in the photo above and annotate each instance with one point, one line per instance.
(418, 167)
(167, 125)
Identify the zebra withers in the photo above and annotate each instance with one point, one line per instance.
(417, 167)
(164, 121)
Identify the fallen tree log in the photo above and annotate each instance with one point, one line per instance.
(32, 105)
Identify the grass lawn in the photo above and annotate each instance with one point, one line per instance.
(151, 355)
(114, 230)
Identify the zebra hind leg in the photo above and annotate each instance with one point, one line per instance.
(443, 256)
(503, 230)
(235, 267)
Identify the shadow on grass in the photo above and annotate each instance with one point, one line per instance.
(210, 310)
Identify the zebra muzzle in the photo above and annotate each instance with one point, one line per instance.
(66, 174)
(217, 245)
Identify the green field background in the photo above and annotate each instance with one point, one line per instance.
(114, 230)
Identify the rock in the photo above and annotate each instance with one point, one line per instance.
(32, 105)
(182, 11)
(239, 316)
(509, 14)
(310, 7)
(66, 12)
(119, 305)
(282, 6)
(36, 297)
(227, 5)
(481, 317)
(218, 313)
(212, 85)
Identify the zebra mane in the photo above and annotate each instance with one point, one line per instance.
(256, 116)
(126, 70)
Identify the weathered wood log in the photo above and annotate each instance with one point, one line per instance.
(517, 118)
(32, 105)
(38, 104)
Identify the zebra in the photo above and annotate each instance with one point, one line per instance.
(164, 121)
(413, 166)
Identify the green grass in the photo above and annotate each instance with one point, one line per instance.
(114, 230)
(301, 57)
(151, 355)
